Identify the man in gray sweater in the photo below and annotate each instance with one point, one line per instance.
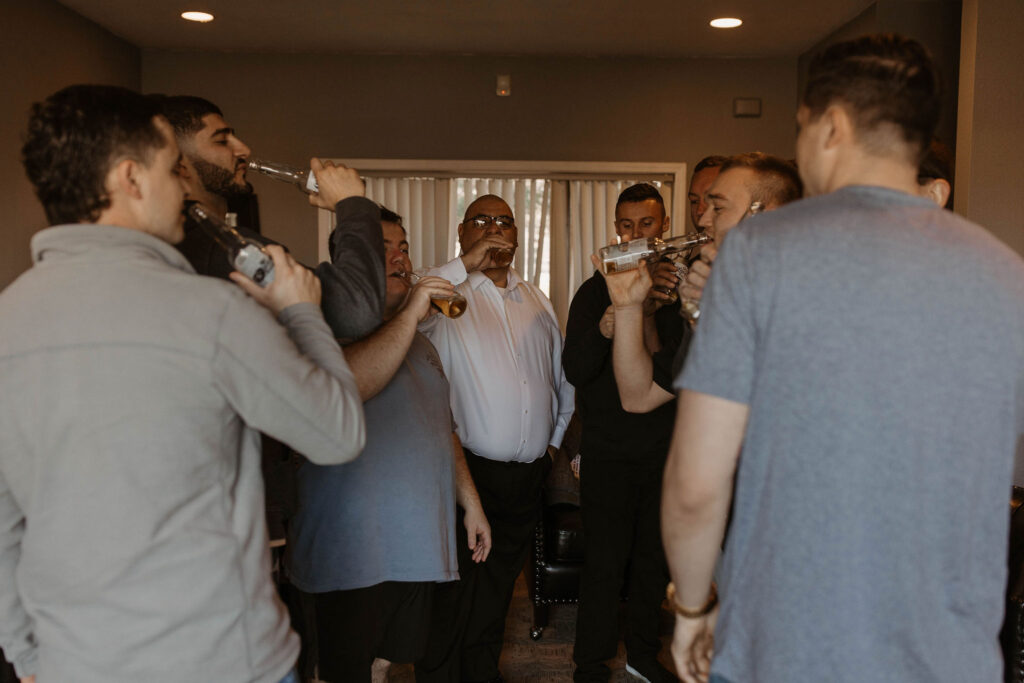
(132, 540)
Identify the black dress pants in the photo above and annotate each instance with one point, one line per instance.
(469, 614)
(620, 503)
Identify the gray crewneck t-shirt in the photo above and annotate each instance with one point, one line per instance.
(879, 344)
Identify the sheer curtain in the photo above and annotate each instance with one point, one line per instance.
(561, 221)
(530, 201)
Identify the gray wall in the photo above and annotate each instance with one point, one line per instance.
(289, 107)
(46, 47)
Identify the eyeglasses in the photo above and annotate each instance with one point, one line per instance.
(483, 221)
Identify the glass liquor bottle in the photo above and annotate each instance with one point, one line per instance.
(300, 177)
(247, 256)
(627, 255)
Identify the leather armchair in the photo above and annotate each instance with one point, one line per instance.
(556, 559)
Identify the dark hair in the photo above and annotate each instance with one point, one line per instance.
(389, 216)
(73, 139)
(777, 179)
(185, 112)
(713, 161)
(882, 79)
(937, 163)
(640, 192)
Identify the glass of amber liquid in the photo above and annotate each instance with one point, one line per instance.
(452, 306)
(502, 257)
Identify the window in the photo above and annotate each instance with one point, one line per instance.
(564, 210)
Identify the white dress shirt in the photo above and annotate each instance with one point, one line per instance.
(503, 358)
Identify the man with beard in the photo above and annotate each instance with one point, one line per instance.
(213, 166)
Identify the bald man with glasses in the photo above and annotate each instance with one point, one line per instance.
(512, 404)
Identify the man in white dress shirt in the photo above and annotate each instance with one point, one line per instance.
(512, 404)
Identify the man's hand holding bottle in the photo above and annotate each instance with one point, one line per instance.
(627, 288)
(700, 271)
(336, 182)
(293, 283)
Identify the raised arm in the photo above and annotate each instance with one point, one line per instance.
(299, 390)
(631, 359)
(353, 282)
(375, 359)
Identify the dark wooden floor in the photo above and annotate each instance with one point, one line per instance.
(548, 660)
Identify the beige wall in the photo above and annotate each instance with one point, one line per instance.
(990, 138)
(935, 23)
(288, 107)
(46, 47)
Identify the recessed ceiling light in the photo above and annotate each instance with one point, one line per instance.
(201, 17)
(726, 22)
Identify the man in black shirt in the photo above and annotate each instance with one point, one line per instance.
(213, 166)
(623, 455)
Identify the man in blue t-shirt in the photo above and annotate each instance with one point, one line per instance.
(859, 370)
(370, 542)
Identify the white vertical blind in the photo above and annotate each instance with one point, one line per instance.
(591, 220)
(424, 205)
(560, 222)
(530, 201)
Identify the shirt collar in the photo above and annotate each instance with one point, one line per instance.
(70, 241)
(478, 278)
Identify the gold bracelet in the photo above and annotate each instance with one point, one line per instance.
(704, 610)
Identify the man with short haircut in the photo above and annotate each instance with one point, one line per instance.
(704, 173)
(871, 441)
(213, 168)
(623, 455)
(747, 183)
(373, 538)
(132, 540)
(503, 358)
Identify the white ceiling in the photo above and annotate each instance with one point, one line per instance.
(651, 28)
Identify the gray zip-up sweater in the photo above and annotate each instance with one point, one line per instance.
(133, 545)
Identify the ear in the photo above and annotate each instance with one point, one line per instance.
(186, 171)
(938, 191)
(460, 232)
(666, 224)
(123, 178)
(838, 128)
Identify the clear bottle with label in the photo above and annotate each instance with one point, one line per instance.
(616, 258)
(247, 256)
(300, 177)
